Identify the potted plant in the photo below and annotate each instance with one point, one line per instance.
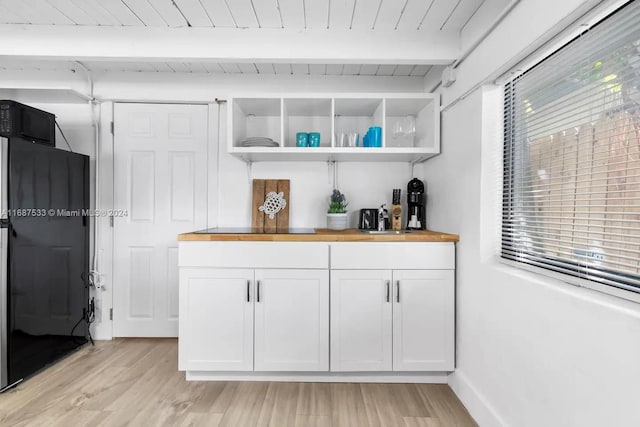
(337, 214)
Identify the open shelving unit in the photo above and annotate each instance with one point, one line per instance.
(280, 117)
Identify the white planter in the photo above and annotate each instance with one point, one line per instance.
(337, 221)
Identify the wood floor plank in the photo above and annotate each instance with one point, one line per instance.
(446, 406)
(56, 375)
(117, 393)
(159, 365)
(246, 404)
(135, 382)
(347, 406)
(313, 421)
(201, 420)
(279, 406)
(79, 418)
(44, 392)
(224, 399)
(40, 421)
(172, 403)
(314, 399)
(422, 422)
(210, 394)
(388, 404)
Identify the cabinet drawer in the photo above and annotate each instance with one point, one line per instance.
(253, 254)
(380, 256)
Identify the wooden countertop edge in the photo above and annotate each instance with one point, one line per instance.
(323, 235)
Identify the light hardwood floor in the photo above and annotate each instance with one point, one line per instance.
(136, 382)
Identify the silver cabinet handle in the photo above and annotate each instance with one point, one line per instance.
(258, 291)
(388, 289)
(248, 290)
(397, 290)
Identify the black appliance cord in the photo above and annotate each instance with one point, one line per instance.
(88, 316)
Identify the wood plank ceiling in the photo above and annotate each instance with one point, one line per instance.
(374, 15)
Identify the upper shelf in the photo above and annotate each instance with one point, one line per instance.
(410, 124)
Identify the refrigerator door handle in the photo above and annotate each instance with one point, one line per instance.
(4, 260)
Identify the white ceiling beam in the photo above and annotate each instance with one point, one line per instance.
(432, 79)
(228, 45)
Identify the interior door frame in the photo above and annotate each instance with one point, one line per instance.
(102, 328)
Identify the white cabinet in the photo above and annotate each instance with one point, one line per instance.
(361, 311)
(392, 306)
(311, 310)
(423, 320)
(216, 320)
(223, 312)
(292, 320)
(400, 320)
(410, 125)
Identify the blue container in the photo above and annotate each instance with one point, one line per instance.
(314, 139)
(302, 139)
(375, 136)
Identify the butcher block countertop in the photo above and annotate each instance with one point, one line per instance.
(320, 235)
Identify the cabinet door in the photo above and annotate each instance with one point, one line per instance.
(423, 320)
(216, 320)
(292, 320)
(361, 320)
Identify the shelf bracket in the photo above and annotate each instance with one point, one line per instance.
(249, 167)
(332, 172)
(420, 160)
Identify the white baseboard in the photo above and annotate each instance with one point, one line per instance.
(477, 405)
(333, 377)
(101, 332)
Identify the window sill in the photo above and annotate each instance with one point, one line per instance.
(533, 273)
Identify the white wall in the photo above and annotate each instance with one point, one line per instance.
(365, 184)
(531, 351)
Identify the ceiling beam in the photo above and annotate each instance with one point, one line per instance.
(228, 45)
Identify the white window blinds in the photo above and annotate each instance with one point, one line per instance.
(571, 196)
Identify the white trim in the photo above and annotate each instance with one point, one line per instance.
(476, 403)
(102, 328)
(322, 377)
(584, 23)
(213, 132)
(589, 13)
(575, 281)
(243, 45)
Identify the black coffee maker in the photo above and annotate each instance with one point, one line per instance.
(416, 219)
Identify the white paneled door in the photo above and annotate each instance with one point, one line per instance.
(160, 179)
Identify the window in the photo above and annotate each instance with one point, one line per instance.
(571, 189)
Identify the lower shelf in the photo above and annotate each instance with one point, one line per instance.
(323, 377)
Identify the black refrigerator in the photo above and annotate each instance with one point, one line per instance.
(44, 255)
